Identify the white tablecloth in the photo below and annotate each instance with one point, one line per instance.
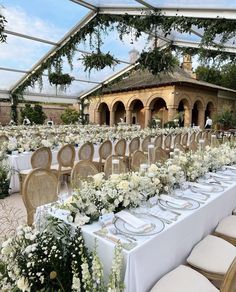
(159, 254)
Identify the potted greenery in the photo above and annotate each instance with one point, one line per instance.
(226, 119)
(61, 80)
(4, 178)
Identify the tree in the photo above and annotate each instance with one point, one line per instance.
(209, 74)
(224, 76)
(228, 75)
(34, 114)
(70, 116)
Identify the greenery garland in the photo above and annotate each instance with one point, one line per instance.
(135, 26)
(3, 36)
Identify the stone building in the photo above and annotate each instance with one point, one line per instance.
(142, 96)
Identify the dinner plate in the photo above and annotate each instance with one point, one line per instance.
(156, 225)
(216, 187)
(193, 204)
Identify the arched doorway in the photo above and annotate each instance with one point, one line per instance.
(119, 112)
(159, 110)
(209, 110)
(137, 112)
(104, 118)
(197, 114)
(183, 113)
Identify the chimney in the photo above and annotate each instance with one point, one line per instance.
(133, 55)
(187, 65)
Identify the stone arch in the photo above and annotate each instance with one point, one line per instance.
(158, 108)
(137, 111)
(183, 110)
(118, 108)
(210, 109)
(154, 97)
(104, 114)
(198, 113)
(184, 97)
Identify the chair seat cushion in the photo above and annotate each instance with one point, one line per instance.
(227, 226)
(184, 279)
(212, 254)
(25, 171)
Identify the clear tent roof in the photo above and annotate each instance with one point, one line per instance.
(36, 28)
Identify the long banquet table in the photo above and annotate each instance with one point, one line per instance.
(156, 255)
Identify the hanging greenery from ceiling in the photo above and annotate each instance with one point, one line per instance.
(61, 80)
(135, 26)
(3, 22)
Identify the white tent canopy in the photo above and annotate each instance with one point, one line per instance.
(35, 29)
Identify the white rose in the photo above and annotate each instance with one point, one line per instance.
(23, 284)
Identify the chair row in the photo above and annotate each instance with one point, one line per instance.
(212, 259)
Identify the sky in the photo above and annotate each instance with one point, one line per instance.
(51, 20)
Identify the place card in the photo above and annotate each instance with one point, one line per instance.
(106, 219)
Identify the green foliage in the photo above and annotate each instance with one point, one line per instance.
(34, 114)
(4, 181)
(70, 116)
(60, 79)
(98, 61)
(157, 61)
(170, 124)
(224, 76)
(3, 22)
(211, 75)
(228, 75)
(226, 118)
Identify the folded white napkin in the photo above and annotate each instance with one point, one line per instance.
(202, 187)
(231, 167)
(181, 203)
(133, 220)
(218, 175)
(156, 211)
(196, 196)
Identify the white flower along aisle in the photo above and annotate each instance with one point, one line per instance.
(52, 258)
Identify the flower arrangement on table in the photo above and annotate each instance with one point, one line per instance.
(132, 189)
(23, 138)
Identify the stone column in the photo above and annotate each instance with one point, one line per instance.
(128, 117)
(147, 116)
(112, 118)
(97, 119)
(188, 117)
(172, 112)
(201, 117)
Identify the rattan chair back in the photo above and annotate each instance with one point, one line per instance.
(185, 139)
(158, 141)
(168, 141)
(86, 151)
(198, 136)
(105, 150)
(108, 165)
(192, 137)
(138, 158)
(134, 145)
(177, 139)
(180, 147)
(120, 148)
(3, 138)
(160, 155)
(66, 156)
(41, 158)
(229, 283)
(82, 170)
(193, 146)
(39, 188)
(146, 141)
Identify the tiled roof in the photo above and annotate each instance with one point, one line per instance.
(144, 79)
